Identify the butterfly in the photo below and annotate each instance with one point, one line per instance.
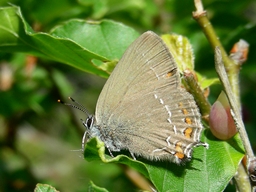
(142, 107)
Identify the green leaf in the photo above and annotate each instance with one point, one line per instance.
(44, 188)
(205, 82)
(106, 39)
(181, 50)
(94, 188)
(106, 7)
(93, 47)
(210, 169)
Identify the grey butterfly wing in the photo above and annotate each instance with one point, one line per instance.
(133, 74)
(142, 107)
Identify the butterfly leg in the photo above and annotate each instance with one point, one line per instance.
(110, 152)
(132, 155)
(84, 140)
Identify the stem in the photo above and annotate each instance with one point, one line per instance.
(242, 185)
(198, 94)
(228, 72)
(237, 115)
(231, 67)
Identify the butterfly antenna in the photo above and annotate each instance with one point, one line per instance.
(77, 106)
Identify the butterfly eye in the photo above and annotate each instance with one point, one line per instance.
(89, 122)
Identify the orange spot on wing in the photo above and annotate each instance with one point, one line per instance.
(179, 151)
(188, 132)
(178, 147)
(184, 111)
(188, 120)
(169, 74)
(180, 155)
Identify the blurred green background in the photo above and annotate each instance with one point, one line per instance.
(40, 138)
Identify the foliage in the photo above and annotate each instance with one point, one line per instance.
(46, 54)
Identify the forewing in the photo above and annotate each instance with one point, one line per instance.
(137, 71)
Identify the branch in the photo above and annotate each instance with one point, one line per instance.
(235, 111)
(231, 67)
